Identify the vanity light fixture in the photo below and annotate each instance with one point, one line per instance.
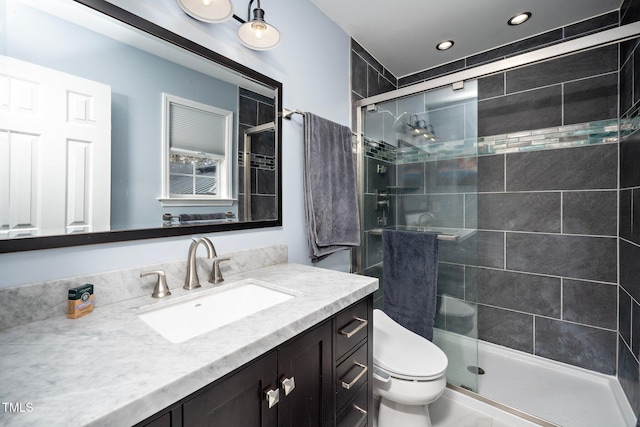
(256, 33)
(444, 45)
(211, 11)
(520, 18)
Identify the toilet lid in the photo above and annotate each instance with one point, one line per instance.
(403, 353)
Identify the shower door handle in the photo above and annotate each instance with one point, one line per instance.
(361, 324)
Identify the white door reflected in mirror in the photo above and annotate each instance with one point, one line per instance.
(55, 145)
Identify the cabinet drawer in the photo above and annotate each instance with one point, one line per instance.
(351, 374)
(351, 328)
(355, 413)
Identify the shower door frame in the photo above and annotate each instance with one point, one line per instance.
(585, 43)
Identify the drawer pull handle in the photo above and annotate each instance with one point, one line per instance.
(357, 378)
(361, 324)
(288, 385)
(363, 412)
(272, 397)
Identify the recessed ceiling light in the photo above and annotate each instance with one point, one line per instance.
(444, 45)
(520, 18)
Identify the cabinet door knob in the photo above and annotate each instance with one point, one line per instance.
(361, 323)
(288, 385)
(355, 380)
(272, 397)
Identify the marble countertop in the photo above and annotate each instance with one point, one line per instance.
(110, 368)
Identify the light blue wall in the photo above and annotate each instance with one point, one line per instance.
(312, 62)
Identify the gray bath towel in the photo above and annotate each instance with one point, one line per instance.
(202, 217)
(331, 201)
(409, 279)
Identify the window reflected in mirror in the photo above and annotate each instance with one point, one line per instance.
(197, 146)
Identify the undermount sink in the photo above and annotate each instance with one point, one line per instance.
(188, 318)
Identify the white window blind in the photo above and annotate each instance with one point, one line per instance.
(197, 130)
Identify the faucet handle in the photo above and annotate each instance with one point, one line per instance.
(216, 274)
(162, 289)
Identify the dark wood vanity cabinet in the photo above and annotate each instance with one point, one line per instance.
(322, 377)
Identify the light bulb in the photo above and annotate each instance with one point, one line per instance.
(206, 2)
(259, 29)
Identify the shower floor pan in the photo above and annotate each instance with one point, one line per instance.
(559, 393)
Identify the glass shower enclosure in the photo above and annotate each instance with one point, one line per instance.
(418, 171)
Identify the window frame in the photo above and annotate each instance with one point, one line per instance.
(224, 184)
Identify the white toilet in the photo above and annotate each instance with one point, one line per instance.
(409, 374)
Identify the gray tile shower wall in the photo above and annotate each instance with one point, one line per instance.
(368, 76)
(547, 241)
(568, 90)
(543, 259)
(629, 217)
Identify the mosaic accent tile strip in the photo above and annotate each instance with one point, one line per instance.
(630, 124)
(600, 132)
(258, 161)
(380, 150)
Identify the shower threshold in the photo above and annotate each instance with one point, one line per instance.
(502, 407)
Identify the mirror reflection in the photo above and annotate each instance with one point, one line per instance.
(104, 128)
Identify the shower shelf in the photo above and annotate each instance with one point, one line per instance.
(445, 234)
(401, 188)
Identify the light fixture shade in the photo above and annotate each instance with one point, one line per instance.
(212, 11)
(257, 34)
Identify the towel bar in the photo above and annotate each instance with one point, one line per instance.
(441, 236)
(287, 113)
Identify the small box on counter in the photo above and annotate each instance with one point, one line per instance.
(80, 301)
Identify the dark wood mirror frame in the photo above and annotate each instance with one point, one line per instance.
(67, 240)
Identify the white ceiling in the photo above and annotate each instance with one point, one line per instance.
(402, 34)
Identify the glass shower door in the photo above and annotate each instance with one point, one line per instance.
(419, 172)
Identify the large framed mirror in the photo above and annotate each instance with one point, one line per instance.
(92, 151)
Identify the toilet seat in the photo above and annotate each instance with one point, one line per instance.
(404, 354)
(454, 307)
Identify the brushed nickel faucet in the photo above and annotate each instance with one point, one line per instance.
(191, 281)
